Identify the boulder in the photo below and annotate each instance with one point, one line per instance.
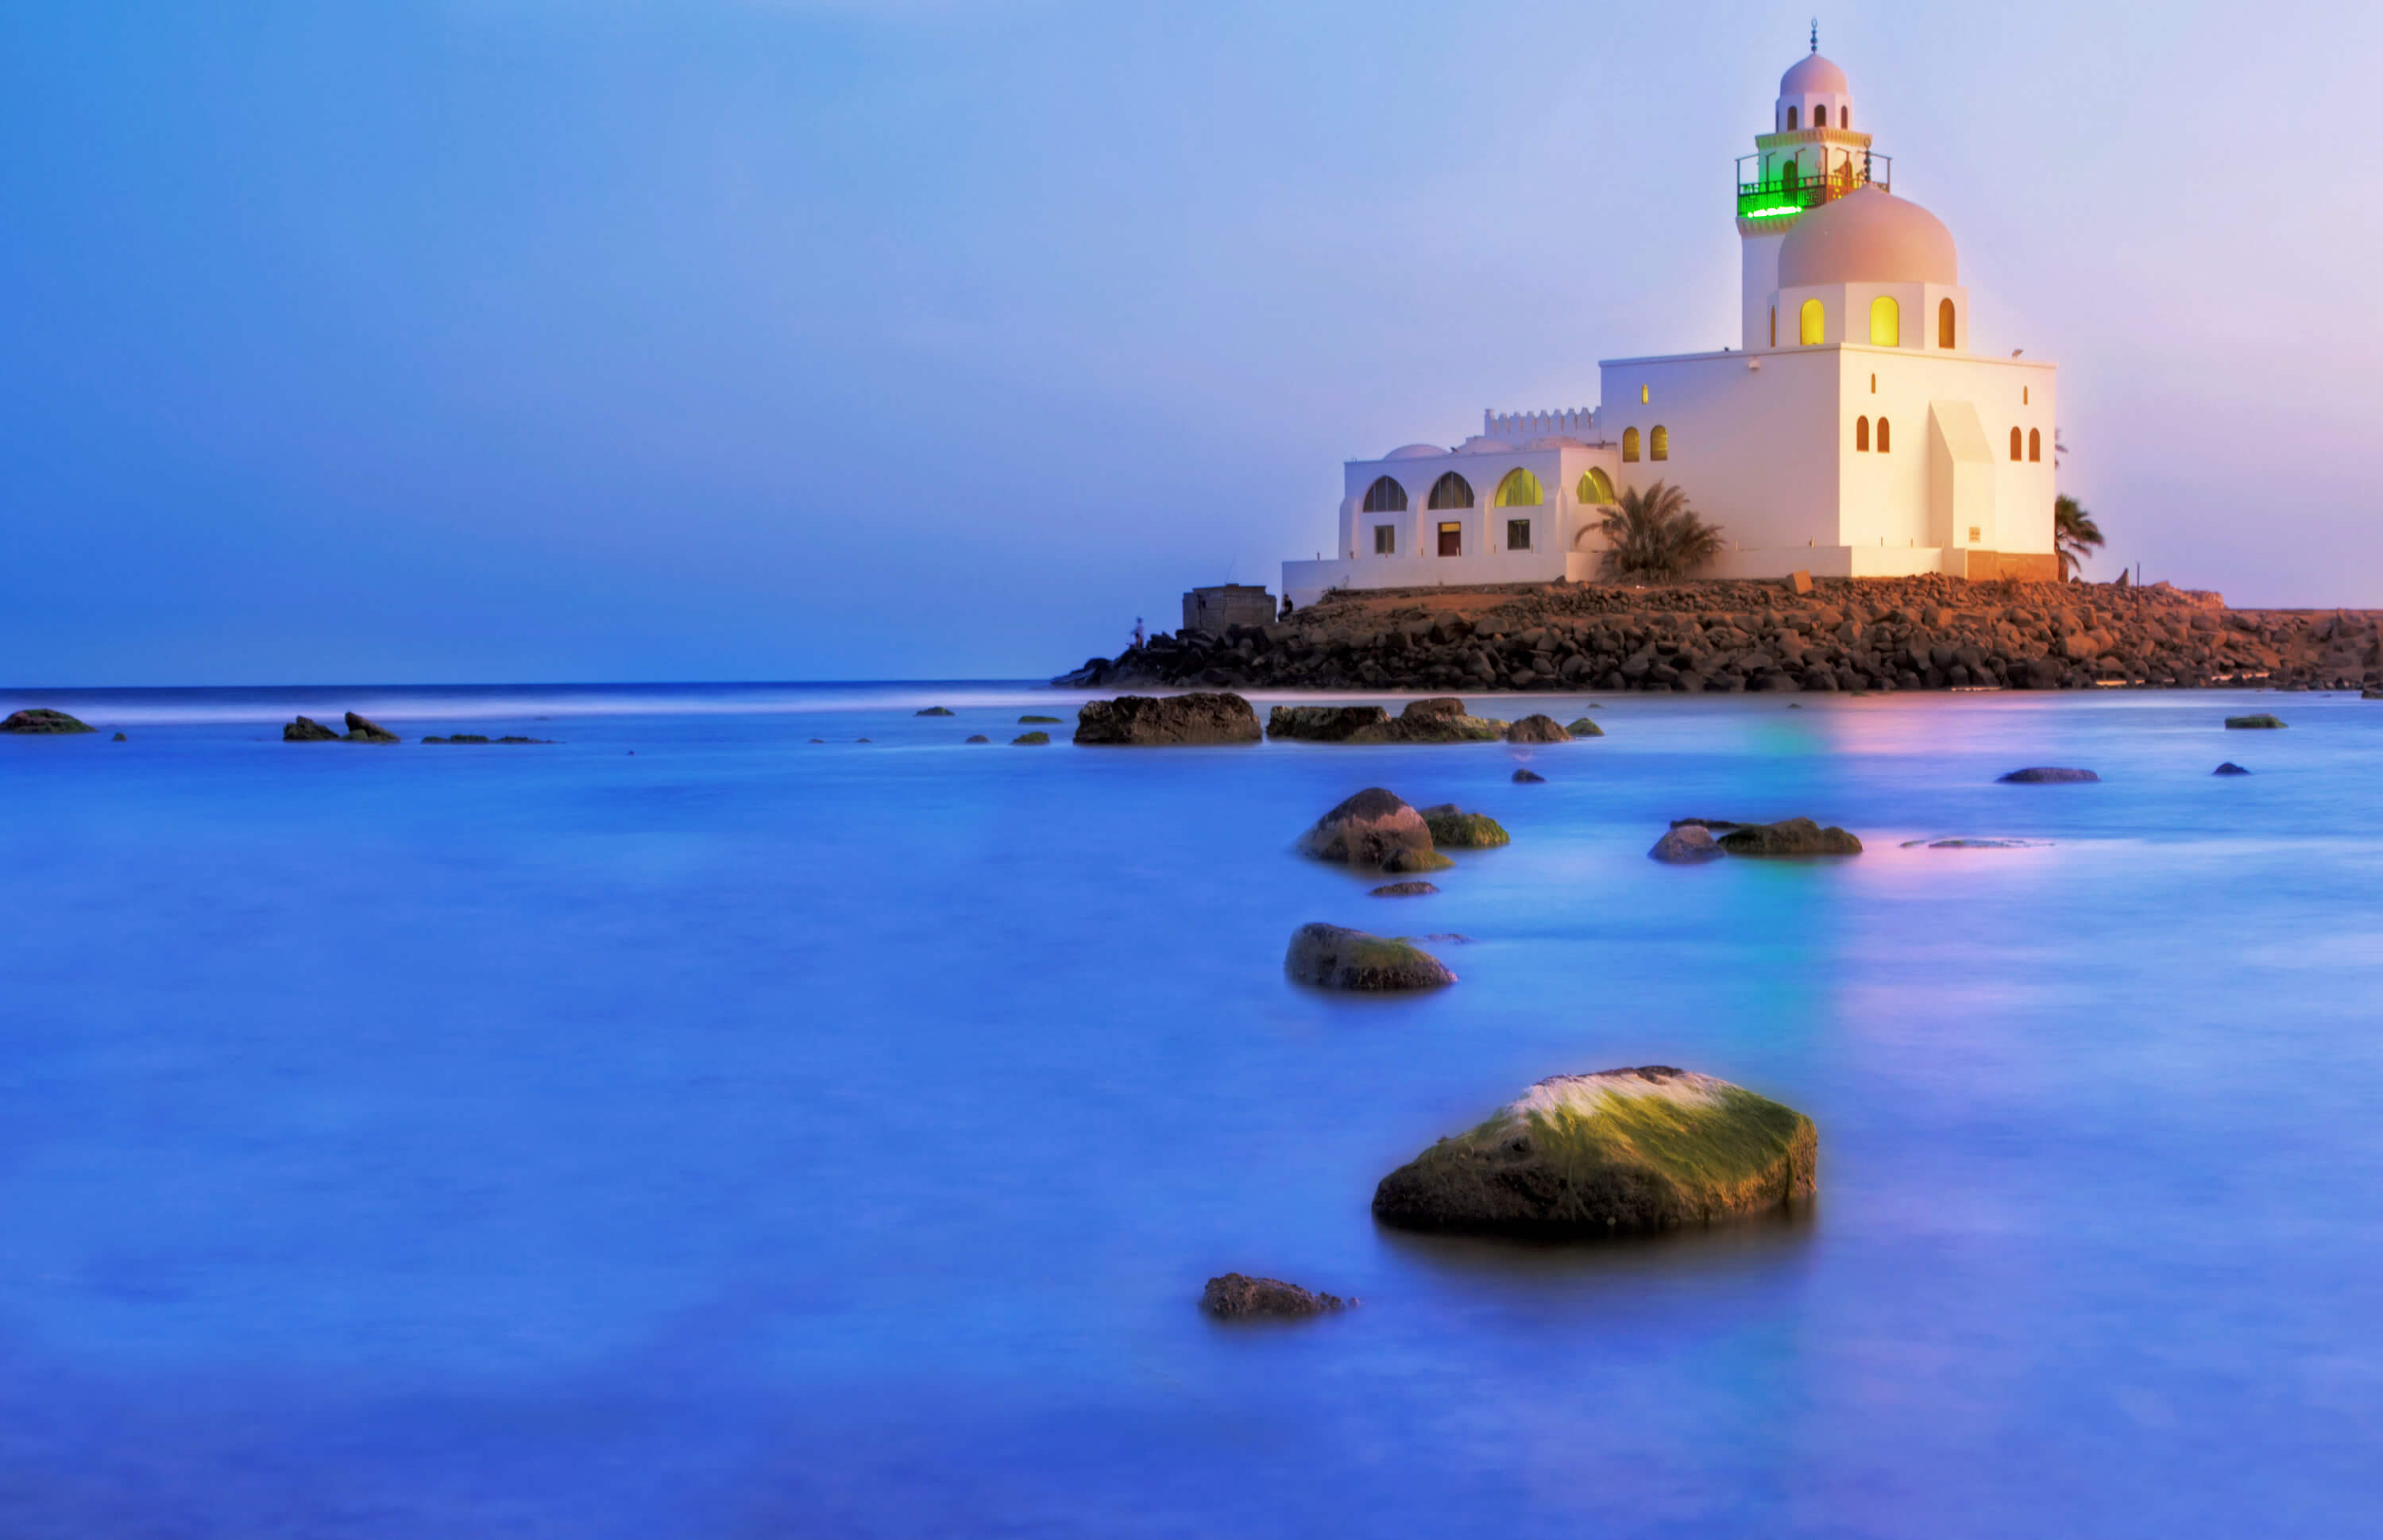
(364, 729)
(1407, 858)
(1538, 728)
(1366, 830)
(2370, 694)
(41, 718)
(1436, 720)
(1322, 724)
(1451, 825)
(1626, 1150)
(1031, 716)
(1528, 778)
(1335, 957)
(1686, 845)
(1237, 1296)
(935, 711)
(1029, 740)
(2047, 775)
(1789, 837)
(2230, 768)
(1201, 717)
(1584, 727)
(1403, 890)
(2260, 718)
(118, 738)
(978, 738)
(307, 730)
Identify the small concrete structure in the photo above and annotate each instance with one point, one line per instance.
(1212, 609)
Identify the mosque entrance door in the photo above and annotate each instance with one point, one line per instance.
(1452, 539)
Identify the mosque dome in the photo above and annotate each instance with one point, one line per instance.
(1867, 237)
(1813, 76)
(1415, 451)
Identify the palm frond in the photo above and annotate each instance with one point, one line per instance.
(1651, 533)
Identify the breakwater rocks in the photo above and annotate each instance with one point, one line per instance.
(41, 718)
(1440, 719)
(1152, 721)
(1625, 1150)
(1877, 633)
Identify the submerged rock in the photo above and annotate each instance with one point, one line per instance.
(307, 730)
(1626, 1150)
(1964, 842)
(1032, 717)
(1336, 957)
(1686, 845)
(978, 738)
(1538, 728)
(1403, 890)
(2262, 719)
(2047, 775)
(1237, 1295)
(935, 711)
(1201, 717)
(1528, 778)
(2230, 768)
(1322, 724)
(1584, 727)
(1408, 859)
(1366, 830)
(1789, 837)
(118, 738)
(1029, 740)
(364, 729)
(41, 718)
(1451, 825)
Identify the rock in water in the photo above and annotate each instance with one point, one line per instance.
(1403, 890)
(978, 738)
(2047, 775)
(2230, 768)
(1029, 740)
(1624, 1150)
(1789, 837)
(1200, 718)
(119, 738)
(1435, 720)
(1538, 728)
(1238, 1295)
(1337, 958)
(1408, 859)
(1528, 778)
(364, 729)
(1687, 844)
(1366, 830)
(935, 711)
(1584, 727)
(307, 730)
(1031, 716)
(2261, 720)
(41, 718)
(1451, 825)
(1322, 724)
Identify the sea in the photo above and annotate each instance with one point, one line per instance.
(760, 1112)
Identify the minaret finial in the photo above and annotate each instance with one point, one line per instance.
(1816, 34)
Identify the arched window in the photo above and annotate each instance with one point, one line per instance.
(1844, 117)
(2035, 444)
(1885, 323)
(1862, 434)
(1945, 323)
(1385, 497)
(2014, 444)
(1595, 487)
(1630, 445)
(1659, 443)
(1883, 445)
(1452, 491)
(1789, 177)
(1774, 325)
(1820, 116)
(1808, 323)
(1791, 125)
(1520, 489)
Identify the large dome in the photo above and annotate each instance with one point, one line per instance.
(1813, 76)
(1867, 237)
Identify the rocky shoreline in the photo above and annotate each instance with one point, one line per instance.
(1886, 634)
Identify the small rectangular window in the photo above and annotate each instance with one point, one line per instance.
(1518, 535)
(1386, 539)
(1452, 539)
(1973, 534)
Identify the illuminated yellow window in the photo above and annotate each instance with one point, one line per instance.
(1630, 444)
(1595, 487)
(1885, 323)
(1808, 323)
(1642, 395)
(1945, 323)
(1520, 489)
(1658, 444)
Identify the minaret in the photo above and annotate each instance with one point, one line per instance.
(1810, 156)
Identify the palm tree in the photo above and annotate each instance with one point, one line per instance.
(2074, 534)
(1652, 533)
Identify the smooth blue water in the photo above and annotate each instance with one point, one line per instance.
(687, 1130)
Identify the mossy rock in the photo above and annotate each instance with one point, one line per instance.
(41, 718)
(1538, 728)
(1452, 826)
(1029, 739)
(938, 711)
(307, 730)
(1412, 858)
(2260, 718)
(1030, 717)
(1789, 837)
(1335, 957)
(1624, 1152)
(1584, 727)
(364, 729)
(1403, 890)
(1686, 844)
(1366, 830)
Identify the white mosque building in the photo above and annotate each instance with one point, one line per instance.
(1854, 433)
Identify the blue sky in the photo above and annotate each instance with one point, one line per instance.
(518, 339)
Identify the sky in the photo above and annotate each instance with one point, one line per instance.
(525, 340)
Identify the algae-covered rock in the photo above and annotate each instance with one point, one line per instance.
(1626, 1150)
(935, 711)
(1403, 890)
(41, 718)
(364, 729)
(1528, 778)
(1029, 740)
(1451, 825)
(1686, 845)
(1538, 728)
(2048, 776)
(1584, 727)
(1322, 724)
(2262, 719)
(1408, 858)
(1366, 830)
(1435, 720)
(1335, 957)
(1238, 1296)
(1201, 717)
(1789, 837)
(307, 730)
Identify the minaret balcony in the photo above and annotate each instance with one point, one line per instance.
(1793, 190)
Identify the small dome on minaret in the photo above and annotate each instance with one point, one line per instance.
(1813, 76)
(1813, 94)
